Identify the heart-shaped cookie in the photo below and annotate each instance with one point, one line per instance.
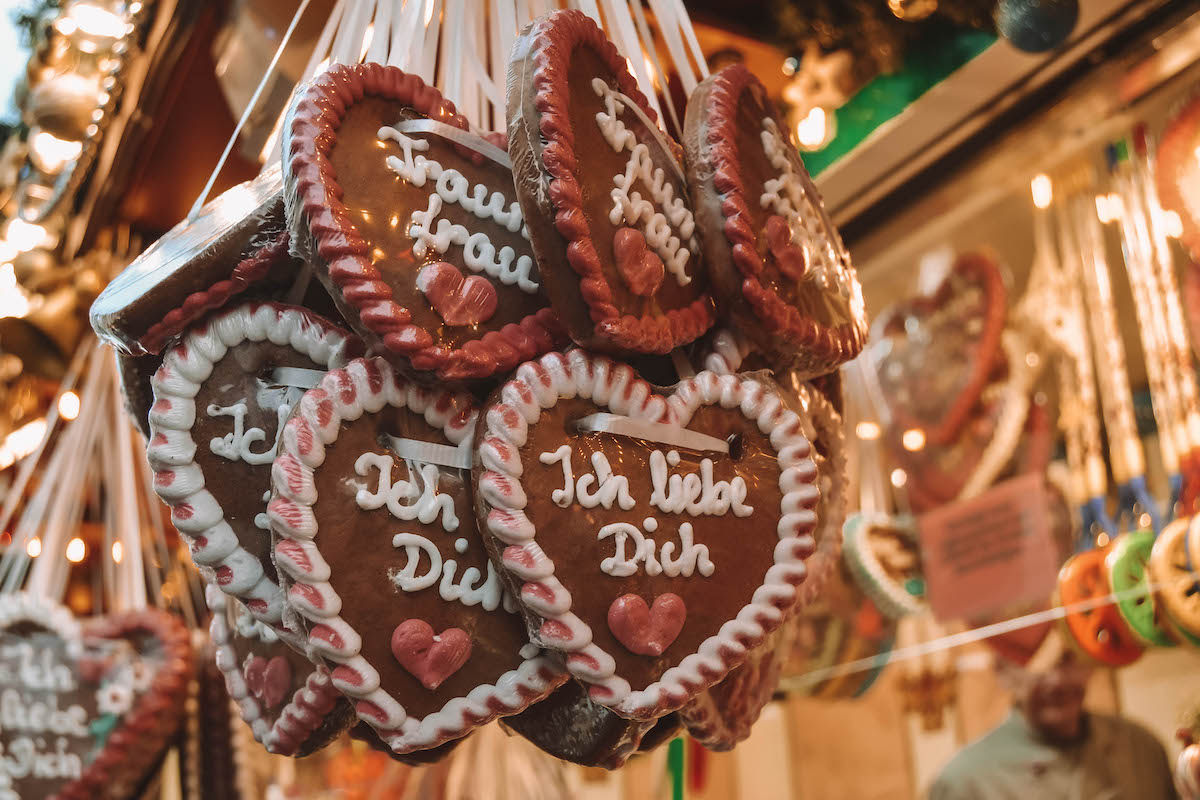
(943, 349)
(774, 256)
(386, 570)
(593, 171)
(220, 402)
(89, 710)
(385, 178)
(457, 300)
(289, 703)
(594, 488)
(884, 555)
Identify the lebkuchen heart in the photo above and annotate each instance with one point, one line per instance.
(377, 546)
(655, 557)
(289, 703)
(220, 403)
(91, 709)
(412, 224)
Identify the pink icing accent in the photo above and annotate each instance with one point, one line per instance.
(641, 269)
(430, 658)
(647, 630)
(458, 300)
(269, 681)
(788, 256)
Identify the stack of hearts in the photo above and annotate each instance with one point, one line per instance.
(428, 489)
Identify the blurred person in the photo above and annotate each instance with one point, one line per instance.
(1050, 747)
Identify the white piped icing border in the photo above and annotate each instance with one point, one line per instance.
(299, 718)
(45, 613)
(822, 423)
(179, 481)
(366, 386)
(540, 384)
(727, 349)
(892, 598)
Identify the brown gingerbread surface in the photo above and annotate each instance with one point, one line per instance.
(416, 232)
(774, 255)
(629, 285)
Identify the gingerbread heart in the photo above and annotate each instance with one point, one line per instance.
(385, 179)
(943, 349)
(589, 164)
(595, 487)
(773, 254)
(289, 703)
(387, 573)
(220, 402)
(92, 708)
(884, 555)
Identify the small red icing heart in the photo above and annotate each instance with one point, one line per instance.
(642, 270)
(430, 659)
(457, 300)
(789, 256)
(256, 674)
(276, 682)
(647, 631)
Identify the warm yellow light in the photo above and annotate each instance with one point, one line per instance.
(867, 431)
(1172, 224)
(1102, 539)
(1043, 191)
(50, 154)
(24, 235)
(13, 300)
(21, 442)
(812, 131)
(68, 406)
(33, 548)
(1031, 359)
(118, 552)
(899, 477)
(913, 439)
(1109, 207)
(76, 550)
(98, 22)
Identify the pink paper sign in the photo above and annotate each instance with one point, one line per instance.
(990, 553)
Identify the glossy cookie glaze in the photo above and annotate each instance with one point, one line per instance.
(603, 192)
(414, 230)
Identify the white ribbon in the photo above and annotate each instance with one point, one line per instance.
(467, 139)
(443, 455)
(299, 377)
(651, 431)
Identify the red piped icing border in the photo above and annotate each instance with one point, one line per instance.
(248, 272)
(501, 498)
(303, 715)
(365, 386)
(318, 216)
(831, 345)
(178, 481)
(133, 748)
(555, 37)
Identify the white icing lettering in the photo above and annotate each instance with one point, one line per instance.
(235, 446)
(423, 501)
(610, 487)
(657, 560)
(696, 494)
(665, 218)
(451, 186)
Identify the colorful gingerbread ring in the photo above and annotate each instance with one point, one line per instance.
(287, 701)
(1097, 629)
(604, 195)
(771, 249)
(582, 470)
(1177, 589)
(411, 223)
(1126, 565)
(387, 571)
(220, 403)
(884, 556)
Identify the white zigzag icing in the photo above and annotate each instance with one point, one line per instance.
(540, 384)
(172, 450)
(344, 395)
